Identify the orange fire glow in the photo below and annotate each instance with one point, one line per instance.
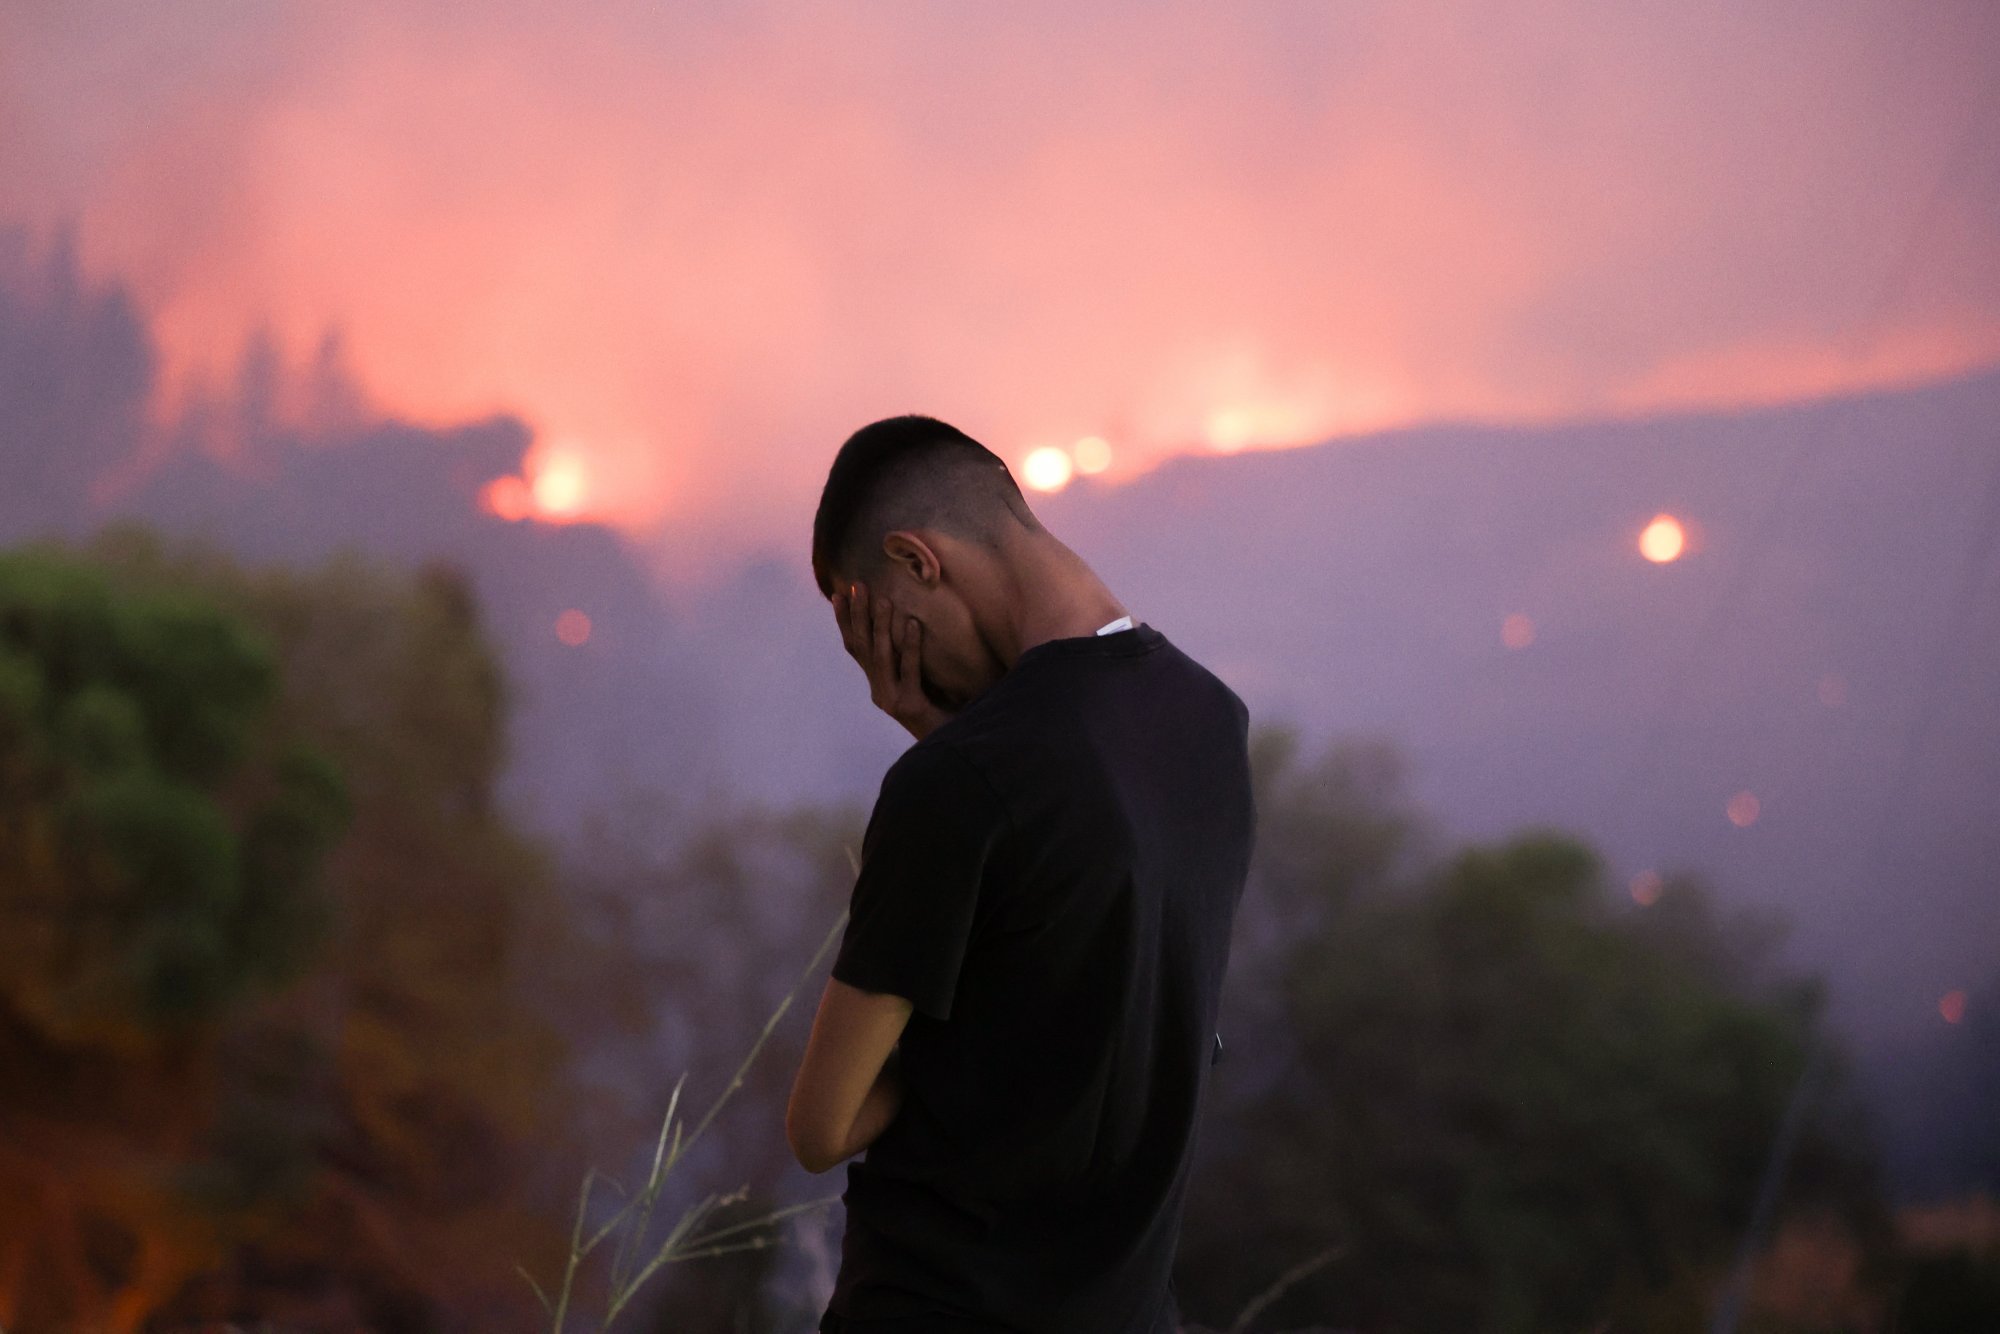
(558, 484)
(1663, 540)
(1046, 469)
(508, 498)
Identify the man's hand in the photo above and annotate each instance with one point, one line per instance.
(887, 647)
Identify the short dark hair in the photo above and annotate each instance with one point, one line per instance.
(909, 472)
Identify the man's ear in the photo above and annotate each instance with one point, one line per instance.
(916, 556)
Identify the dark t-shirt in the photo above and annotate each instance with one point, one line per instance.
(1050, 877)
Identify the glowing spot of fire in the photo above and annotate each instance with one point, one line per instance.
(1663, 539)
(1742, 809)
(508, 498)
(1517, 631)
(559, 484)
(1951, 1005)
(1231, 428)
(1092, 454)
(1832, 691)
(1046, 469)
(573, 627)
(1646, 888)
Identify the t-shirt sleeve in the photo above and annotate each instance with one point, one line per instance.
(923, 858)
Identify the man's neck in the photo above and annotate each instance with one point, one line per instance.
(1062, 597)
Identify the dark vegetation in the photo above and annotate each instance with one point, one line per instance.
(275, 977)
(295, 1028)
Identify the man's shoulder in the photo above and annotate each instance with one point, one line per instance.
(1016, 723)
(939, 770)
(1004, 717)
(1198, 676)
(935, 756)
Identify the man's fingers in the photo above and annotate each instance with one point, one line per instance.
(908, 658)
(844, 621)
(857, 621)
(884, 646)
(854, 628)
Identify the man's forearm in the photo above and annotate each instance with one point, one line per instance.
(879, 1108)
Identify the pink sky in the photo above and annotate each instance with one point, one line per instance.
(694, 246)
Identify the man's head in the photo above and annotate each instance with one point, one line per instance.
(931, 519)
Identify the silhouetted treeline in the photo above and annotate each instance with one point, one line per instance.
(1502, 1095)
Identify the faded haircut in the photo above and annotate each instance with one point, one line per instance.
(909, 472)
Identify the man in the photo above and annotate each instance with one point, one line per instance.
(1019, 1023)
